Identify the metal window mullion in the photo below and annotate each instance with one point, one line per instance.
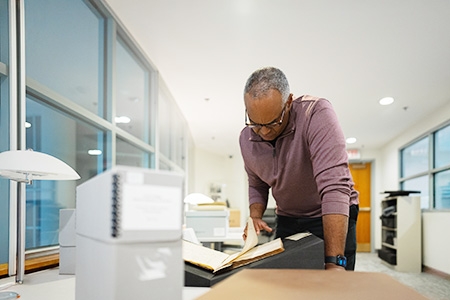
(431, 164)
(12, 135)
(154, 104)
(21, 209)
(17, 136)
(109, 85)
(147, 116)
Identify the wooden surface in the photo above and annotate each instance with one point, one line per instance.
(34, 264)
(309, 284)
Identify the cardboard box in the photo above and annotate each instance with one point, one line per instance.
(208, 223)
(235, 218)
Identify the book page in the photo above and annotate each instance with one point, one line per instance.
(262, 249)
(202, 256)
(250, 242)
(214, 260)
(298, 236)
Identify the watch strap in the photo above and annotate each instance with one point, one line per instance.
(339, 260)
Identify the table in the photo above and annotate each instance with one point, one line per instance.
(309, 284)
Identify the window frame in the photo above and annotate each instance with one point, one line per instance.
(432, 171)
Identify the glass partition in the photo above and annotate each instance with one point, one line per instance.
(129, 155)
(132, 99)
(419, 184)
(63, 39)
(4, 27)
(414, 158)
(442, 147)
(78, 144)
(442, 190)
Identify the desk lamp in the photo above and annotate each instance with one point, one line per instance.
(195, 199)
(24, 166)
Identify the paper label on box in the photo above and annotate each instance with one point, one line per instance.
(150, 207)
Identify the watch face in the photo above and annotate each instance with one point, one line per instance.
(341, 261)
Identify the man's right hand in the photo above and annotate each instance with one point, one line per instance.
(259, 226)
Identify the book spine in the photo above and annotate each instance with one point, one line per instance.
(116, 201)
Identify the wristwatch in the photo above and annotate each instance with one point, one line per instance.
(339, 260)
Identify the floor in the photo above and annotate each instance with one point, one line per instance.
(49, 285)
(429, 285)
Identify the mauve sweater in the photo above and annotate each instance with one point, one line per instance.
(307, 168)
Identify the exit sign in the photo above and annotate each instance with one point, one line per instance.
(353, 154)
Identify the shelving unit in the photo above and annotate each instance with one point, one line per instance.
(401, 233)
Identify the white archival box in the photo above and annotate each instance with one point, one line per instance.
(208, 223)
(67, 241)
(129, 232)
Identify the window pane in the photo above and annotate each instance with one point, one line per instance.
(63, 46)
(4, 31)
(59, 135)
(132, 95)
(442, 147)
(414, 158)
(164, 122)
(179, 141)
(442, 190)
(419, 184)
(164, 166)
(129, 155)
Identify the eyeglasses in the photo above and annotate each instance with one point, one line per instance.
(271, 125)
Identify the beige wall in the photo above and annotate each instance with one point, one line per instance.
(213, 168)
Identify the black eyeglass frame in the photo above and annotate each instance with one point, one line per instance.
(271, 125)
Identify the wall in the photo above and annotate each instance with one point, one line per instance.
(435, 248)
(210, 168)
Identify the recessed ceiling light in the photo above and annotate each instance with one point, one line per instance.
(95, 152)
(386, 101)
(122, 119)
(350, 140)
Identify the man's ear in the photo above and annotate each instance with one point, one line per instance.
(290, 99)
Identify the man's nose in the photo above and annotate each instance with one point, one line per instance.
(264, 130)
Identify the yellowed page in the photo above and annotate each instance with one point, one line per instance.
(215, 260)
(298, 236)
(262, 249)
(250, 242)
(203, 256)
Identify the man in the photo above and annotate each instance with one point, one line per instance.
(297, 148)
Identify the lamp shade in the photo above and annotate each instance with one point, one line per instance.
(197, 198)
(28, 165)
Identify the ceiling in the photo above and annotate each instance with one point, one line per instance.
(350, 52)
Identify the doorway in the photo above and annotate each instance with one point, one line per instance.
(361, 173)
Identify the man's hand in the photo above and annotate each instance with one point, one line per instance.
(259, 225)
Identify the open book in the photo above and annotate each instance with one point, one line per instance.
(214, 260)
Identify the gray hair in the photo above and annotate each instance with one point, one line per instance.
(265, 79)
